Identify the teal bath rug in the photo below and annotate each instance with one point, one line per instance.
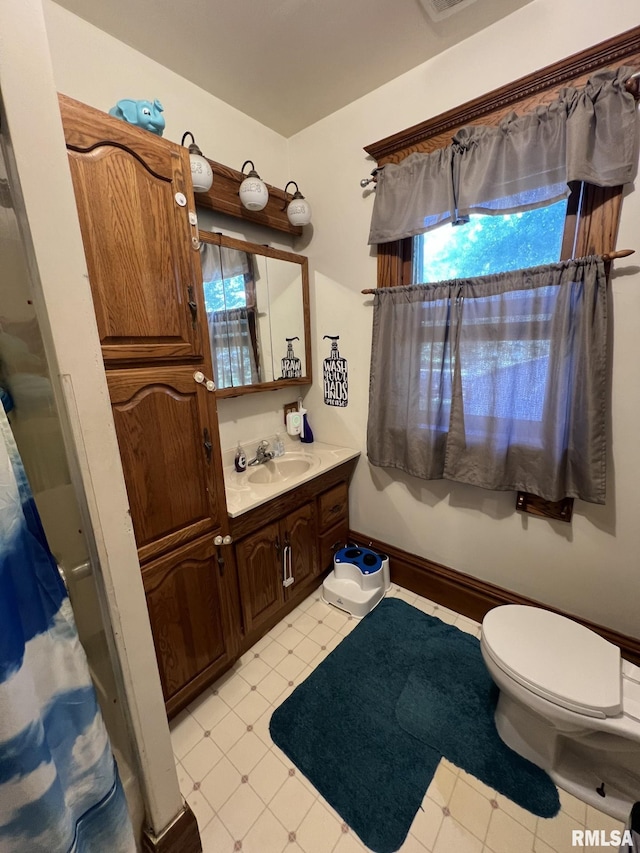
(369, 725)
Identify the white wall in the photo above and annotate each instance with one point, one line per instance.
(590, 567)
(95, 68)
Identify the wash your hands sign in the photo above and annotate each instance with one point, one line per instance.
(335, 376)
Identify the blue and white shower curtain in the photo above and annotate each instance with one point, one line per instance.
(59, 786)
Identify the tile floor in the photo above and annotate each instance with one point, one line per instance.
(247, 796)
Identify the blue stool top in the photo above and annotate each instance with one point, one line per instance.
(364, 558)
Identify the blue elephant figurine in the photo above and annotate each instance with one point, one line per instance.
(141, 113)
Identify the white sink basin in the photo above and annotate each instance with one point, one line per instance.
(279, 470)
(261, 483)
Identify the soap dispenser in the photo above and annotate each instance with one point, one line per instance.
(240, 461)
(278, 446)
(306, 436)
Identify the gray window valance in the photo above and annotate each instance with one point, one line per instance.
(588, 134)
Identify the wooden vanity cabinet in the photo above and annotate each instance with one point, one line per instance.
(134, 196)
(333, 522)
(265, 559)
(190, 618)
(313, 520)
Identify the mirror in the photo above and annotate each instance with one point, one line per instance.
(257, 304)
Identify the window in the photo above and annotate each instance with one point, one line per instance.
(480, 246)
(586, 224)
(592, 213)
(488, 244)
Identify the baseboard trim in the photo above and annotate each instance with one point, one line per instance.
(181, 836)
(471, 596)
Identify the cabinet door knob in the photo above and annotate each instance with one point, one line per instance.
(217, 540)
(201, 379)
(227, 540)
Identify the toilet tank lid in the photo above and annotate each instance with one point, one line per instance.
(555, 657)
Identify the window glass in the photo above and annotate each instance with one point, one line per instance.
(490, 244)
(225, 294)
(503, 376)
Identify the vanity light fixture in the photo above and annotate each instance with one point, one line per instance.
(253, 191)
(201, 173)
(299, 209)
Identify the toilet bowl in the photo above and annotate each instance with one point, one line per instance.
(568, 703)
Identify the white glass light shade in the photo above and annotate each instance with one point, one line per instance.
(201, 173)
(253, 192)
(299, 211)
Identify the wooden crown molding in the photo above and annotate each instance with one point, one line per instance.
(223, 197)
(397, 146)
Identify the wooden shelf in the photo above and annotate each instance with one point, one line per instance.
(223, 197)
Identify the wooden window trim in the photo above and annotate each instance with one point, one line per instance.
(524, 94)
(598, 217)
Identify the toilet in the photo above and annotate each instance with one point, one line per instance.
(568, 703)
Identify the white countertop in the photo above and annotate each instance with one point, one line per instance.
(243, 495)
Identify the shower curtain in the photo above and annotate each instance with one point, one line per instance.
(59, 786)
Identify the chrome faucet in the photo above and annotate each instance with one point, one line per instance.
(262, 454)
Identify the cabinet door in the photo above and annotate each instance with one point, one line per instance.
(167, 433)
(189, 620)
(132, 191)
(299, 532)
(259, 558)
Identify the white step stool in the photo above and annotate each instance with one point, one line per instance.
(358, 582)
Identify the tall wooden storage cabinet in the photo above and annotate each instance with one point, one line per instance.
(134, 195)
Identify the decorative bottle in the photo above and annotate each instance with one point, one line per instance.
(240, 461)
(291, 365)
(335, 378)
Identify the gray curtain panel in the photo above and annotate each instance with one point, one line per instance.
(499, 381)
(588, 134)
(232, 348)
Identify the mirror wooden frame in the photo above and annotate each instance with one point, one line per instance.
(223, 241)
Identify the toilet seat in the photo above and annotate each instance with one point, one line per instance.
(556, 658)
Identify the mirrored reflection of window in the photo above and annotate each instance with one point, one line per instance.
(229, 283)
(257, 302)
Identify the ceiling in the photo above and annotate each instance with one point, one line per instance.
(288, 63)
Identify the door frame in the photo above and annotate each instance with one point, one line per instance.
(45, 204)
